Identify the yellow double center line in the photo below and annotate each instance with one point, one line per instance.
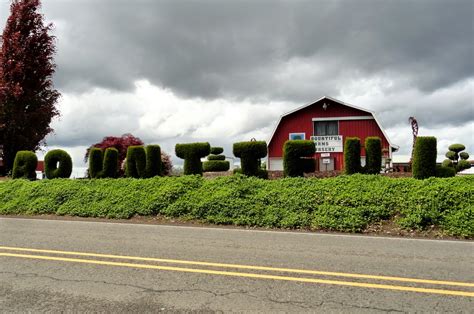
(243, 274)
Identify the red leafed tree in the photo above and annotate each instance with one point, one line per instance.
(121, 144)
(27, 96)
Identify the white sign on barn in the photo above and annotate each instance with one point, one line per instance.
(328, 143)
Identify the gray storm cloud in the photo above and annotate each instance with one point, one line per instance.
(399, 58)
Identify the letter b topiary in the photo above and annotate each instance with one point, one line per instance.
(293, 163)
(24, 165)
(57, 164)
(424, 159)
(192, 154)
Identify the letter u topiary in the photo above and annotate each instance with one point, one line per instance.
(192, 154)
(424, 159)
(352, 155)
(293, 163)
(24, 165)
(57, 164)
(250, 154)
(103, 165)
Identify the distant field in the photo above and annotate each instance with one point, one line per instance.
(344, 203)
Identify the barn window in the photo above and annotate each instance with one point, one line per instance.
(326, 128)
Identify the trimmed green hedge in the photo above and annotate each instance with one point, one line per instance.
(192, 154)
(153, 161)
(103, 165)
(424, 160)
(352, 155)
(373, 155)
(136, 162)
(57, 164)
(24, 165)
(344, 203)
(294, 163)
(250, 154)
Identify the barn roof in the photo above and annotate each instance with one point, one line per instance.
(394, 147)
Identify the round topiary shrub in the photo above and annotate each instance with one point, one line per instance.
(464, 155)
(424, 159)
(457, 147)
(294, 163)
(250, 154)
(445, 172)
(462, 165)
(24, 165)
(352, 155)
(192, 154)
(57, 164)
(217, 150)
(373, 155)
(447, 163)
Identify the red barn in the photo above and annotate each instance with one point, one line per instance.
(328, 122)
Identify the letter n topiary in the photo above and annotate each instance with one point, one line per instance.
(192, 154)
(103, 165)
(250, 154)
(352, 155)
(424, 159)
(216, 162)
(24, 165)
(143, 162)
(293, 163)
(373, 155)
(57, 164)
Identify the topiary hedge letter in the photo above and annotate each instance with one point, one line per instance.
(352, 155)
(250, 154)
(192, 154)
(143, 162)
(57, 164)
(216, 162)
(373, 155)
(293, 163)
(424, 159)
(103, 165)
(24, 165)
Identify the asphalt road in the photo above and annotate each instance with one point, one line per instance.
(151, 268)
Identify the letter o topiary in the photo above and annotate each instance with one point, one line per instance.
(424, 159)
(352, 155)
(57, 164)
(192, 154)
(293, 163)
(24, 165)
(250, 154)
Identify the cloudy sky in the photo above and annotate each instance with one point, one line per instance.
(224, 71)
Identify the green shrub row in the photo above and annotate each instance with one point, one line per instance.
(344, 203)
